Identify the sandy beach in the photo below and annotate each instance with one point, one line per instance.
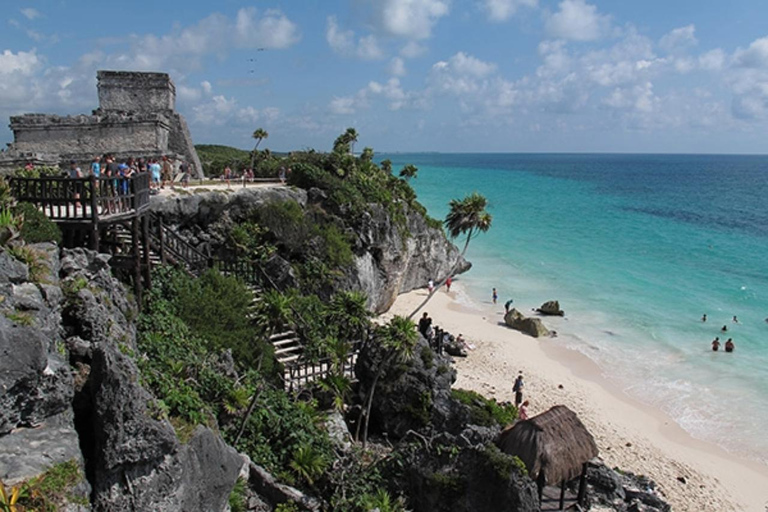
(693, 475)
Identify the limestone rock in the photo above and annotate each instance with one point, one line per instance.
(531, 326)
(11, 269)
(551, 308)
(475, 479)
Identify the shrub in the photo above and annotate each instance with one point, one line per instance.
(483, 411)
(37, 227)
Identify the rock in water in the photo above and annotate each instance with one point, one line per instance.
(531, 326)
(552, 308)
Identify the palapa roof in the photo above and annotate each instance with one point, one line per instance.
(555, 442)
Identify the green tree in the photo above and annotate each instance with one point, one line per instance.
(408, 172)
(386, 166)
(367, 155)
(398, 339)
(466, 216)
(259, 134)
(345, 142)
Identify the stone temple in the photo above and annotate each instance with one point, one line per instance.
(136, 118)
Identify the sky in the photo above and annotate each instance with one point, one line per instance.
(655, 76)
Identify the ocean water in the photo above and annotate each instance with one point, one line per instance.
(636, 248)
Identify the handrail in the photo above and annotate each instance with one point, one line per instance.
(90, 198)
(167, 239)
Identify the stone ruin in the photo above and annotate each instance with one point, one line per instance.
(136, 118)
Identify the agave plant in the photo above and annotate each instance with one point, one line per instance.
(9, 498)
(10, 226)
(308, 463)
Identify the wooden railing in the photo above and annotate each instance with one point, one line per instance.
(170, 246)
(65, 199)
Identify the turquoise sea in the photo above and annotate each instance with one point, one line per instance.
(636, 248)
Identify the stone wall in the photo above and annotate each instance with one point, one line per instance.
(88, 136)
(136, 118)
(125, 91)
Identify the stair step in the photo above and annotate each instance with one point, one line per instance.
(288, 359)
(282, 336)
(288, 350)
(287, 341)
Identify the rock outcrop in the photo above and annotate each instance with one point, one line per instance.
(387, 262)
(551, 308)
(71, 392)
(531, 326)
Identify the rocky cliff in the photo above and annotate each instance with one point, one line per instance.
(71, 401)
(388, 260)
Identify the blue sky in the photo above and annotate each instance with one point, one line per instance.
(414, 75)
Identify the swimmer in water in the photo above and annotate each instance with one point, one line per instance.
(704, 317)
(729, 345)
(716, 344)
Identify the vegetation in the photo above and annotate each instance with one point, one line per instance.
(47, 493)
(215, 157)
(485, 412)
(37, 227)
(259, 134)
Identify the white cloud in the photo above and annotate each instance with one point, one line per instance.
(462, 74)
(24, 63)
(712, 60)
(756, 56)
(184, 48)
(343, 42)
(412, 49)
(679, 39)
(578, 21)
(638, 98)
(502, 10)
(411, 19)
(272, 30)
(206, 86)
(344, 105)
(397, 67)
(30, 13)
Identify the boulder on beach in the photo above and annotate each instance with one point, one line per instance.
(552, 308)
(531, 326)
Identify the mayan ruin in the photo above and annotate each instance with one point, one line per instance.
(136, 118)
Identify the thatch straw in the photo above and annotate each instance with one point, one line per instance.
(555, 443)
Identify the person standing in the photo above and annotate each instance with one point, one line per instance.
(227, 175)
(167, 172)
(729, 345)
(425, 324)
(495, 296)
(517, 387)
(522, 411)
(430, 286)
(448, 283)
(96, 167)
(507, 305)
(716, 344)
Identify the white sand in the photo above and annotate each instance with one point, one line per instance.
(629, 434)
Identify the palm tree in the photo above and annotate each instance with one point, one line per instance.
(345, 142)
(349, 314)
(259, 134)
(367, 154)
(398, 339)
(466, 216)
(408, 172)
(386, 166)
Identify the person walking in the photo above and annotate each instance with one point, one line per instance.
(431, 286)
(448, 284)
(517, 387)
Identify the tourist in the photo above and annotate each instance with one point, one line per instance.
(522, 411)
(729, 345)
(517, 387)
(183, 170)
(704, 317)
(495, 296)
(507, 305)
(735, 320)
(30, 166)
(724, 329)
(227, 175)
(425, 324)
(166, 172)
(448, 283)
(282, 174)
(96, 167)
(186, 176)
(154, 168)
(716, 344)
(430, 286)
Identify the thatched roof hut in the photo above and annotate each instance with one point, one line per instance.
(555, 444)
